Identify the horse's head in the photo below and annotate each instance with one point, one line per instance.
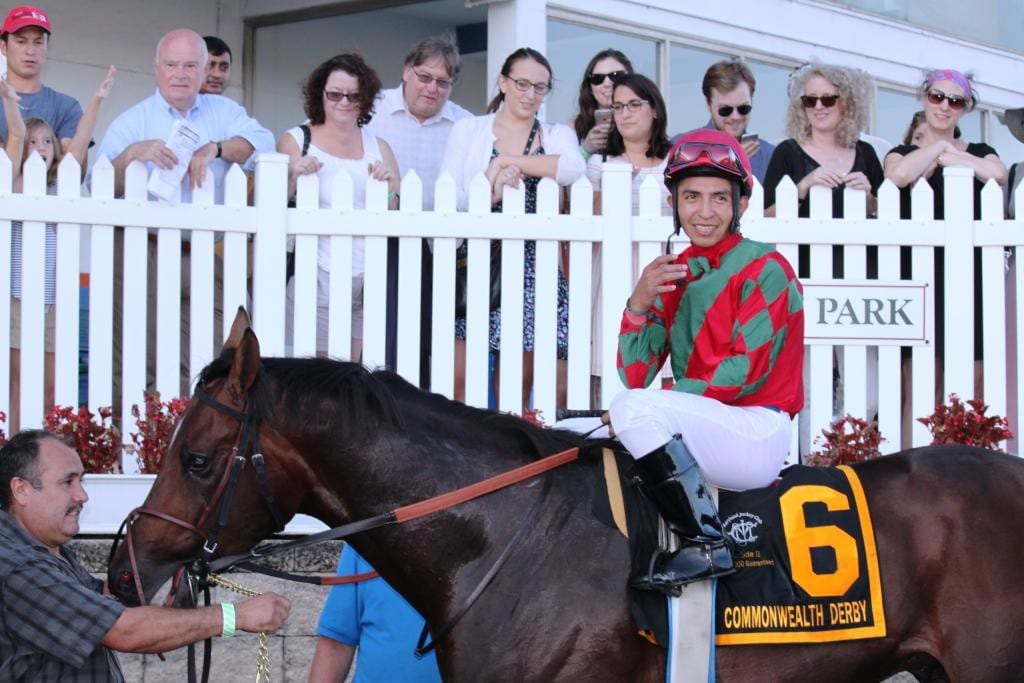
(208, 499)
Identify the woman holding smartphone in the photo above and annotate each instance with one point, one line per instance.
(639, 139)
(594, 121)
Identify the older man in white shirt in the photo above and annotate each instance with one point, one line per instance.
(226, 135)
(415, 119)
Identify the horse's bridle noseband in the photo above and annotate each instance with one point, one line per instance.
(248, 434)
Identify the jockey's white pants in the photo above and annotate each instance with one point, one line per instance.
(737, 447)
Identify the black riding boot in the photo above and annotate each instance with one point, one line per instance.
(674, 482)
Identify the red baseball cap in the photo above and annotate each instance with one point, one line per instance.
(25, 15)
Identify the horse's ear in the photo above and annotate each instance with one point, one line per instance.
(241, 324)
(245, 365)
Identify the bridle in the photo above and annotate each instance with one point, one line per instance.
(248, 434)
(197, 570)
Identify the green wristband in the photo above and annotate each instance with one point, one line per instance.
(630, 309)
(585, 153)
(228, 618)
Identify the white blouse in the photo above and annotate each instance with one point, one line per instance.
(471, 142)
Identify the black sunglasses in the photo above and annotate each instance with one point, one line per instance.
(811, 101)
(598, 79)
(726, 110)
(955, 101)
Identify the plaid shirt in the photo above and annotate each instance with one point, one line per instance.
(52, 614)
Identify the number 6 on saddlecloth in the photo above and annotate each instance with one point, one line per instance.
(800, 539)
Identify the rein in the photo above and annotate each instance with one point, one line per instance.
(197, 571)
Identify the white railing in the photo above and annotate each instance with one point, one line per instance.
(871, 375)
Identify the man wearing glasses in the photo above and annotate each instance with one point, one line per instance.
(729, 91)
(415, 119)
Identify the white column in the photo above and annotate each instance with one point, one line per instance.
(510, 26)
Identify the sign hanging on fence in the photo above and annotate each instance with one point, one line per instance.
(870, 312)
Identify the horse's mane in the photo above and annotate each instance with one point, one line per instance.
(317, 394)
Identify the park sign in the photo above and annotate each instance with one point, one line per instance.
(869, 312)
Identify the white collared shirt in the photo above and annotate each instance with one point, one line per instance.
(417, 145)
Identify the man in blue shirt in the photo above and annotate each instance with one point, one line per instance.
(372, 617)
(728, 88)
(227, 133)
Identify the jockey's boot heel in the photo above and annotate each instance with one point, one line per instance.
(674, 482)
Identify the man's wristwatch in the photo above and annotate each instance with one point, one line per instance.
(219, 150)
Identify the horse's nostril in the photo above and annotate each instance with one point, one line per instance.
(125, 577)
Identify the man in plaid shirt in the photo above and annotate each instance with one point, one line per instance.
(730, 312)
(55, 622)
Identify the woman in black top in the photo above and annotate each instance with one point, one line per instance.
(828, 107)
(946, 95)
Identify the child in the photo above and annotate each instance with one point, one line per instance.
(25, 138)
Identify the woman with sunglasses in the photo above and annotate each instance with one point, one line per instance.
(828, 108)
(510, 146)
(947, 96)
(338, 101)
(596, 88)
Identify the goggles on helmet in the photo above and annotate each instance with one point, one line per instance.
(689, 155)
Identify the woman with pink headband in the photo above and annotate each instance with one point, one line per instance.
(946, 95)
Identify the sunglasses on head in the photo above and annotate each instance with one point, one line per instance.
(811, 101)
(598, 79)
(726, 110)
(955, 101)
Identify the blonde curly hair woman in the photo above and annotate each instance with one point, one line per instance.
(828, 108)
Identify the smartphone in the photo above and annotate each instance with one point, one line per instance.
(749, 137)
(602, 115)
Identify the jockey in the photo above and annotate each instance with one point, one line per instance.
(730, 311)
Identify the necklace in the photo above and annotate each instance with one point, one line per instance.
(645, 161)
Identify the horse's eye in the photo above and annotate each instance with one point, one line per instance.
(196, 463)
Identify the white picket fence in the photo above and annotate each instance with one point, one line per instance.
(871, 375)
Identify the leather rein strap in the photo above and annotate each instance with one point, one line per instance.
(249, 433)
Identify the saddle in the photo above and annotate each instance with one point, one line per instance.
(805, 555)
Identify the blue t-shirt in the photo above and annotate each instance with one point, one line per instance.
(61, 111)
(373, 617)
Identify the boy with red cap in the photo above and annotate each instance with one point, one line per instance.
(730, 311)
(24, 41)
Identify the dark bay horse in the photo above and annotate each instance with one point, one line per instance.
(343, 444)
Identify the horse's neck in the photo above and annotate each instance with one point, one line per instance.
(423, 559)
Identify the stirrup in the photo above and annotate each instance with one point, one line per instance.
(697, 562)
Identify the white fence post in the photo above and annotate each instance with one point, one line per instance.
(617, 237)
(271, 248)
(69, 184)
(33, 249)
(101, 293)
(959, 295)
(134, 331)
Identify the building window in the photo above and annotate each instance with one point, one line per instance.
(997, 22)
(686, 106)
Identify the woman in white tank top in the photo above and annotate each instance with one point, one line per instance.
(339, 97)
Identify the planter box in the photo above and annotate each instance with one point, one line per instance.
(113, 496)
